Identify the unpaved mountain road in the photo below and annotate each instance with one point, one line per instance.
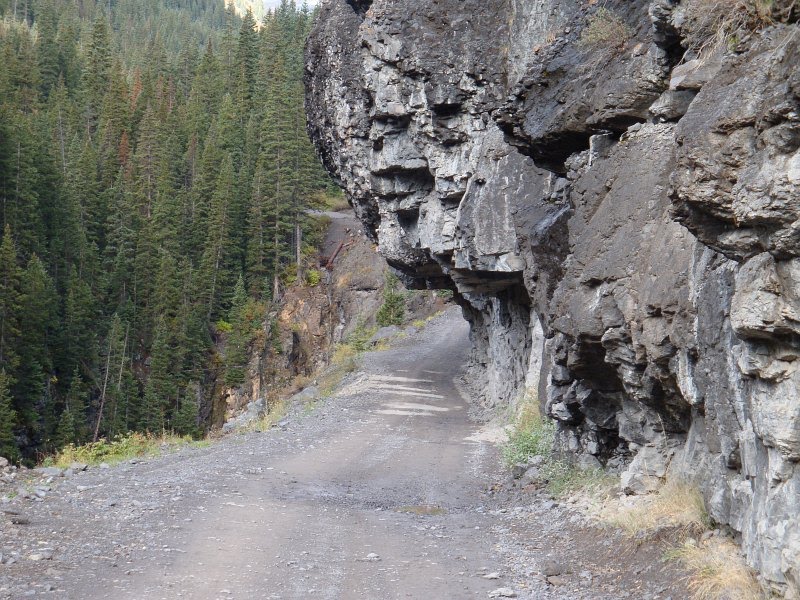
(383, 491)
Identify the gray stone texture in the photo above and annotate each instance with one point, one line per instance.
(621, 217)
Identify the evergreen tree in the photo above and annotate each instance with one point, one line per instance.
(8, 419)
(239, 337)
(19, 188)
(47, 47)
(205, 95)
(66, 430)
(37, 319)
(217, 266)
(246, 65)
(78, 351)
(98, 67)
(186, 417)
(152, 413)
(74, 427)
(10, 305)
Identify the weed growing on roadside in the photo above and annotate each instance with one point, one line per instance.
(343, 361)
(534, 435)
(118, 449)
(564, 478)
(677, 505)
(269, 419)
(717, 570)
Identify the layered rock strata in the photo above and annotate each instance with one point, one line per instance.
(613, 192)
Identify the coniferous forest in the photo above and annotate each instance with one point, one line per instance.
(155, 177)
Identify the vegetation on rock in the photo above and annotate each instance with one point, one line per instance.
(606, 28)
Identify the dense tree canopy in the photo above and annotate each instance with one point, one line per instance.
(155, 177)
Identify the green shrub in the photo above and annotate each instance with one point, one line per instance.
(118, 449)
(564, 477)
(359, 338)
(393, 309)
(313, 277)
(531, 436)
(289, 274)
(534, 435)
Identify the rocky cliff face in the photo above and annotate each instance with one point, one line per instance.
(614, 194)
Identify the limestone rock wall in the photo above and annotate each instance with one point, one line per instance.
(617, 207)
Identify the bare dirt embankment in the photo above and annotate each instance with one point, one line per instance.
(384, 490)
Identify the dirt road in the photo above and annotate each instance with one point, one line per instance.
(380, 492)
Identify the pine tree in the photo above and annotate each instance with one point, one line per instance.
(114, 365)
(98, 67)
(74, 427)
(47, 47)
(38, 304)
(228, 45)
(148, 156)
(186, 417)
(277, 194)
(246, 65)
(10, 305)
(66, 430)
(19, 188)
(77, 348)
(187, 63)
(216, 265)
(239, 337)
(8, 419)
(114, 124)
(206, 94)
(122, 231)
(152, 412)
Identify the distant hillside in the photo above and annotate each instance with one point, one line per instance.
(260, 7)
(256, 6)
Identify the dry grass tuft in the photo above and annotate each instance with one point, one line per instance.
(718, 570)
(677, 505)
(606, 28)
(343, 361)
(711, 23)
(275, 413)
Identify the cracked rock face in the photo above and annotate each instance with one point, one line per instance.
(619, 219)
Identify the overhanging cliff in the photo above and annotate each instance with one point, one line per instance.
(614, 194)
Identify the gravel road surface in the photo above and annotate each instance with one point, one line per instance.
(385, 490)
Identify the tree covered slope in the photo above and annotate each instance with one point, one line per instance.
(152, 155)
